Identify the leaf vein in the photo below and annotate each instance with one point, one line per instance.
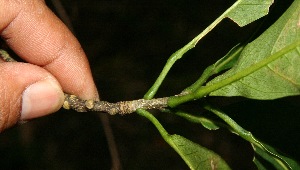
(279, 74)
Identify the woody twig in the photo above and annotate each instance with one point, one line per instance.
(122, 107)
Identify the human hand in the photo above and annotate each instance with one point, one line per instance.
(56, 63)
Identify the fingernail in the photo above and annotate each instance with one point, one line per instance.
(41, 98)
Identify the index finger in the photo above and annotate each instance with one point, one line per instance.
(40, 38)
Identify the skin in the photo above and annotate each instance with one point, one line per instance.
(55, 64)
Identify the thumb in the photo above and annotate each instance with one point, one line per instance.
(27, 91)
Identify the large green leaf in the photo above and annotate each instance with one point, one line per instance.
(247, 11)
(277, 78)
(196, 156)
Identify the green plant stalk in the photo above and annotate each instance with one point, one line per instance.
(224, 63)
(207, 123)
(192, 118)
(161, 129)
(246, 135)
(203, 91)
(155, 122)
(179, 53)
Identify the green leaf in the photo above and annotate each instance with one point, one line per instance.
(196, 156)
(265, 151)
(205, 122)
(277, 78)
(273, 157)
(247, 11)
(258, 164)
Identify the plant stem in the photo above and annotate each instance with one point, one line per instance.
(166, 136)
(122, 107)
(224, 63)
(155, 122)
(179, 53)
(5, 56)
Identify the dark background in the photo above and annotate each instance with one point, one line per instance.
(128, 43)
